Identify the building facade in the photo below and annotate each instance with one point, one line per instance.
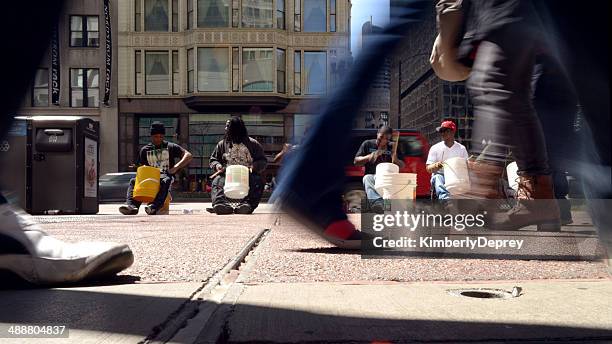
(193, 63)
(419, 99)
(375, 110)
(77, 76)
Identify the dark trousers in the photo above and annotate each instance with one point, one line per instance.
(556, 104)
(500, 87)
(164, 188)
(254, 196)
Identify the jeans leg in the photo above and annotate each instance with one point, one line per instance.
(130, 195)
(437, 180)
(217, 193)
(369, 181)
(256, 186)
(164, 187)
(500, 86)
(312, 182)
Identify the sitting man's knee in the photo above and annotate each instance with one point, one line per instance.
(368, 179)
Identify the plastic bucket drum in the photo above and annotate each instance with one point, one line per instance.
(386, 167)
(147, 184)
(236, 182)
(511, 171)
(396, 185)
(456, 177)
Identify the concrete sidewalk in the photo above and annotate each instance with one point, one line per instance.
(191, 283)
(418, 312)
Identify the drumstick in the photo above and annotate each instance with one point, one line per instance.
(212, 176)
(394, 156)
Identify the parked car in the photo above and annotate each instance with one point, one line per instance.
(113, 186)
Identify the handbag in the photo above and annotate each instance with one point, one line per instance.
(444, 57)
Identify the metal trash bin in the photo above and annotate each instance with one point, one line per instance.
(61, 165)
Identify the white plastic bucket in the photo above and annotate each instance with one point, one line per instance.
(511, 171)
(236, 182)
(396, 185)
(456, 176)
(386, 167)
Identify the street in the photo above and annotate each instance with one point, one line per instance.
(199, 277)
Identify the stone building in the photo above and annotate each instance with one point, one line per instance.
(193, 63)
(77, 76)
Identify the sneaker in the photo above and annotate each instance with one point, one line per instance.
(41, 259)
(128, 209)
(244, 209)
(150, 210)
(344, 235)
(223, 209)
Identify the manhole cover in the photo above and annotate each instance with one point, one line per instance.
(482, 293)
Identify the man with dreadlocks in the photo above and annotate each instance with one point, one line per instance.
(237, 148)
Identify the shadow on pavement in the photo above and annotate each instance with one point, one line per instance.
(131, 314)
(11, 281)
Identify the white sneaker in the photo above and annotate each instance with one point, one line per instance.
(41, 259)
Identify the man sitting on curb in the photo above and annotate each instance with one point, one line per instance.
(161, 154)
(440, 152)
(371, 153)
(237, 148)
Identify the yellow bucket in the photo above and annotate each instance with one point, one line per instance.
(147, 184)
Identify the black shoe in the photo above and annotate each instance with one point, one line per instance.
(223, 209)
(377, 208)
(128, 209)
(244, 209)
(150, 210)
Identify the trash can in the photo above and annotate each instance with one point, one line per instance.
(61, 165)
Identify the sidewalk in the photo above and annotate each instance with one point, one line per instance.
(205, 278)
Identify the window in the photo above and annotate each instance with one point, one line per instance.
(332, 15)
(84, 87)
(84, 31)
(213, 13)
(157, 80)
(190, 70)
(40, 89)
(280, 14)
(175, 72)
(137, 15)
(235, 69)
(156, 15)
(171, 124)
(235, 13)
(257, 14)
(213, 69)
(257, 70)
(315, 66)
(175, 22)
(297, 18)
(190, 14)
(138, 71)
(315, 16)
(297, 73)
(280, 71)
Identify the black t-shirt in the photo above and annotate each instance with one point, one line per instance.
(163, 157)
(370, 146)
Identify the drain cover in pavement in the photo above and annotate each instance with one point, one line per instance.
(482, 293)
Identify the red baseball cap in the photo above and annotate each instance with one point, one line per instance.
(448, 125)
